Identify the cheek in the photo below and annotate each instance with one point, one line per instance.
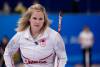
(42, 23)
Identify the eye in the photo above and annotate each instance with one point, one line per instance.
(40, 18)
(34, 18)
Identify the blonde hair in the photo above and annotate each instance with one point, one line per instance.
(23, 22)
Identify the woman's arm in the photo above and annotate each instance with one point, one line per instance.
(11, 48)
(60, 51)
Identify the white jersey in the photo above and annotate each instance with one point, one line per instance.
(86, 39)
(39, 52)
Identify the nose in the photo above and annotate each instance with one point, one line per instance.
(37, 21)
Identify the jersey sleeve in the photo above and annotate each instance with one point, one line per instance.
(11, 48)
(60, 51)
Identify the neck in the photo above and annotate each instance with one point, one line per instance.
(34, 33)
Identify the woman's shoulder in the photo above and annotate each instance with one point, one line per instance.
(18, 35)
(52, 31)
(22, 32)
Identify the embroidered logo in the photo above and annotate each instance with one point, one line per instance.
(42, 42)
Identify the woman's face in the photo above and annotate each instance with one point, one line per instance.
(36, 21)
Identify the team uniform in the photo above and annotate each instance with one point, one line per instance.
(86, 39)
(38, 52)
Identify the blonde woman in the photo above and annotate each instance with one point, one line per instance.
(38, 43)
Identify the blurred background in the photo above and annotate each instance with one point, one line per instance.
(76, 14)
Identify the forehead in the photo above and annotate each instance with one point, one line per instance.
(37, 13)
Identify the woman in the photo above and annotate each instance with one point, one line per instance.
(38, 43)
(86, 39)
